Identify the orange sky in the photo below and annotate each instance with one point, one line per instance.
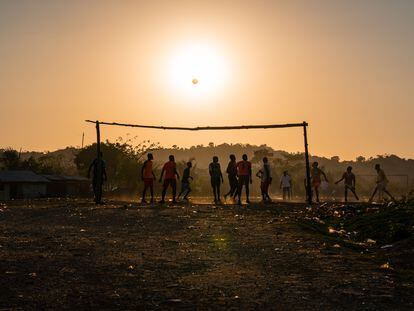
(346, 67)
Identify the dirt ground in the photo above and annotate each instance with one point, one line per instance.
(72, 254)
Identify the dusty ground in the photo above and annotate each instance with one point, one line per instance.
(74, 255)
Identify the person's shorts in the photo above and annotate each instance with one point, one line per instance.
(381, 186)
(233, 181)
(264, 185)
(286, 189)
(316, 184)
(185, 186)
(148, 182)
(350, 187)
(215, 181)
(170, 182)
(244, 180)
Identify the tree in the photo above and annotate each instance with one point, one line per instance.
(11, 159)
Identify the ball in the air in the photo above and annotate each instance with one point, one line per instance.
(195, 81)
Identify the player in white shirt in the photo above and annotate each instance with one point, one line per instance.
(286, 185)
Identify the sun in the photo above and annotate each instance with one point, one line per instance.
(197, 70)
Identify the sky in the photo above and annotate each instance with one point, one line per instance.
(345, 67)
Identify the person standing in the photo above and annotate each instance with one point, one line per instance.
(349, 182)
(216, 178)
(98, 167)
(148, 177)
(170, 169)
(185, 182)
(382, 182)
(316, 179)
(244, 173)
(286, 185)
(232, 176)
(265, 174)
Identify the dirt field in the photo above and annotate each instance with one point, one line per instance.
(74, 255)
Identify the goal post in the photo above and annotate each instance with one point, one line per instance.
(302, 125)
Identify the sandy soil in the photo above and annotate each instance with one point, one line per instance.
(72, 254)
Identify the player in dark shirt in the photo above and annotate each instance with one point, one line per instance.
(98, 167)
(349, 182)
(185, 182)
(232, 175)
(216, 178)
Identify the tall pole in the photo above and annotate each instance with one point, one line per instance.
(98, 185)
(308, 177)
(83, 139)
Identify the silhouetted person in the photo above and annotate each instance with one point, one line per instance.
(382, 182)
(98, 167)
(316, 179)
(148, 177)
(170, 169)
(232, 176)
(185, 182)
(286, 185)
(216, 178)
(265, 175)
(349, 182)
(244, 173)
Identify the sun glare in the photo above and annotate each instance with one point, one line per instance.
(197, 70)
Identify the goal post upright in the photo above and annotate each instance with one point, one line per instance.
(308, 177)
(98, 185)
(303, 125)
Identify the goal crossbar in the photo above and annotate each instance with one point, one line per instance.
(204, 128)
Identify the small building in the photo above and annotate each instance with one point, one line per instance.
(22, 185)
(67, 186)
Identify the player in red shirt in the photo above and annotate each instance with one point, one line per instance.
(244, 172)
(170, 169)
(148, 176)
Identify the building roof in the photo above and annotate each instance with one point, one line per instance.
(22, 177)
(65, 178)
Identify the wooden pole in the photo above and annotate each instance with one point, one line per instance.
(98, 186)
(204, 128)
(308, 177)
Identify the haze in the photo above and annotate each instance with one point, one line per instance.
(346, 67)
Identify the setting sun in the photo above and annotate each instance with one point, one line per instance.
(197, 70)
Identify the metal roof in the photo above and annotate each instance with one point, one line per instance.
(21, 176)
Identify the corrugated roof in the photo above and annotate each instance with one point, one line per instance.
(65, 178)
(21, 176)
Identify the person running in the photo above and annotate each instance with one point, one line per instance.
(98, 167)
(148, 176)
(265, 175)
(381, 186)
(349, 182)
(286, 185)
(316, 179)
(170, 169)
(185, 182)
(232, 175)
(244, 173)
(216, 178)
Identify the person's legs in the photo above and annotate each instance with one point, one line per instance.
(235, 186)
(284, 191)
(187, 193)
(389, 194)
(143, 193)
(174, 189)
(240, 189)
(247, 188)
(317, 193)
(373, 194)
(218, 188)
(354, 192)
(152, 192)
(164, 190)
(346, 193)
